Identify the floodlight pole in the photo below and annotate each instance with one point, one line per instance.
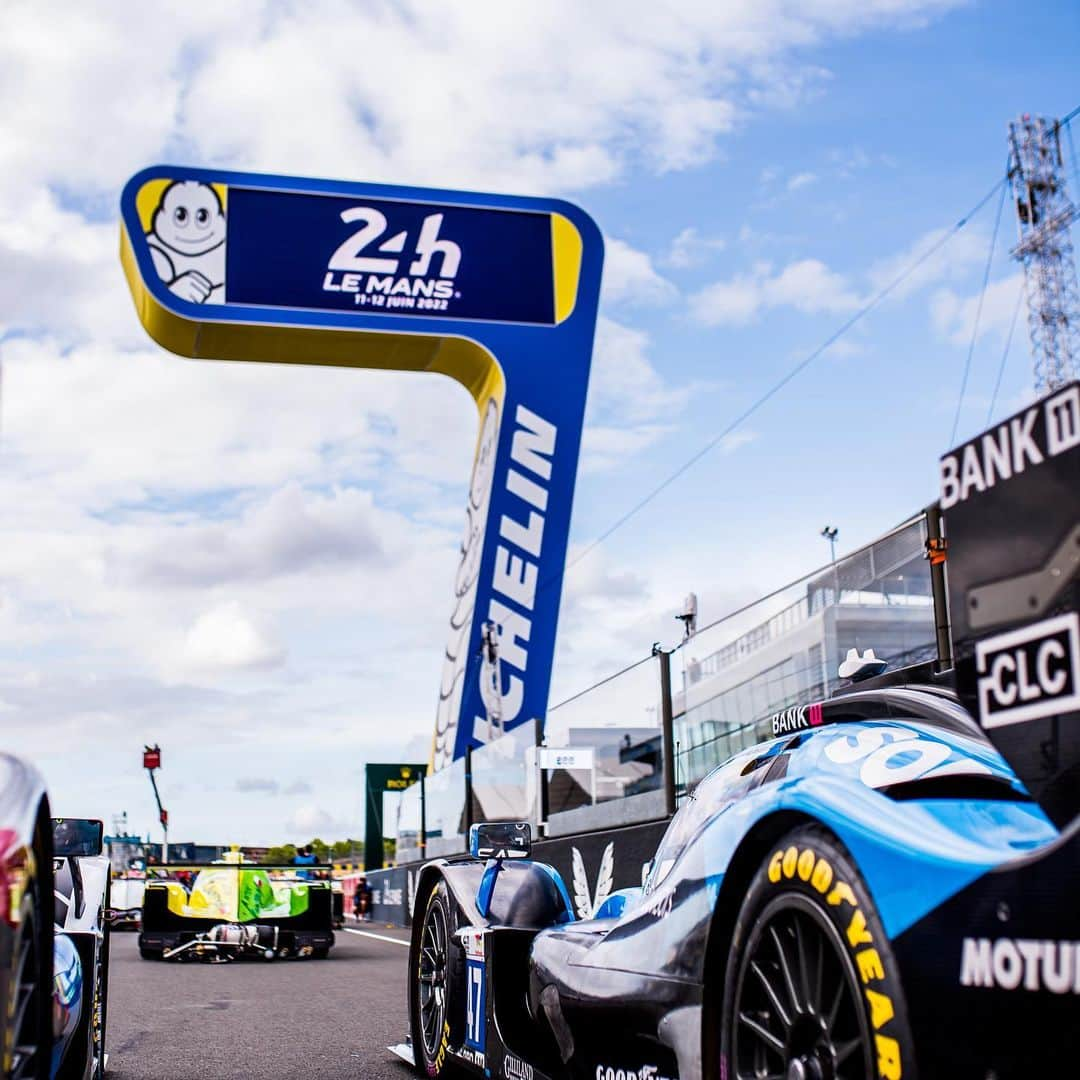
(667, 731)
(830, 532)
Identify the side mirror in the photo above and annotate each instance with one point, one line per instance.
(501, 840)
(75, 838)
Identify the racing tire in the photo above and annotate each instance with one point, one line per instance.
(321, 953)
(437, 987)
(149, 954)
(812, 988)
(32, 980)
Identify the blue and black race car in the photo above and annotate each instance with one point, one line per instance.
(859, 897)
(886, 888)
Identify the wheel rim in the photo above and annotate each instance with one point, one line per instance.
(27, 1018)
(798, 1011)
(433, 957)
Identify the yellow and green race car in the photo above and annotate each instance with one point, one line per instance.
(223, 911)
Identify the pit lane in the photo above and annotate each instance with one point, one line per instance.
(282, 1020)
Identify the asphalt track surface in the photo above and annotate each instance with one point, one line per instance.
(280, 1020)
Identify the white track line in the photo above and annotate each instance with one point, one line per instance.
(378, 937)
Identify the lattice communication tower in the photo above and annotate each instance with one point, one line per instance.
(1044, 214)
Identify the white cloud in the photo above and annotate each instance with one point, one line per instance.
(954, 315)
(631, 405)
(552, 95)
(690, 248)
(624, 381)
(313, 822)
(204, 552)
(806, 285)
(811, 287)
(963, 252)
(292, 533)
(604, 447)
(630, 278)
(227, 638)
(801, 180)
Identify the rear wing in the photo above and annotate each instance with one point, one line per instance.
(199, 895)
(1011, 503)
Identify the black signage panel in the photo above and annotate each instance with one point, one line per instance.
(1011, 500)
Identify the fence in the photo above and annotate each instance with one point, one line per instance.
(623, 751)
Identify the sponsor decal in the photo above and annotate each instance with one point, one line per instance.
(380, 281)
(642, 1072)
(787, 864)
(186, 239)
(473, 1057)
(473, 942)
(516, 1069)
(516, 570)
(797, 718)
(440, 1058)
(386, 256)
(888, 755)
(1062, 413)
(1029, 673)
(588, 906)
(475, 994)
(1013, 446)
(1021, 964)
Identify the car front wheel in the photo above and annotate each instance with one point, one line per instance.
(812, 990)
(436, 982)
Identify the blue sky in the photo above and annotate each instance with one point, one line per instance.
(758, 171)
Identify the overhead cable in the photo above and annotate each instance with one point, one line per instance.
(1005, 353)
(795, 371)
(978, 318)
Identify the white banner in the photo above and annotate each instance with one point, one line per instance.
(567, 757)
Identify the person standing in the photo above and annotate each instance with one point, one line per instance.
(304, 857)
(363, 900)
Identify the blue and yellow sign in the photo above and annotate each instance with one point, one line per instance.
(498, 292)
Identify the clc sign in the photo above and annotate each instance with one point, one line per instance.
(499, 293)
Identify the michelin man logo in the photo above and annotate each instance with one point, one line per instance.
(187, 242)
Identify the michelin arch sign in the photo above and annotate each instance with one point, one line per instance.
(497, 292)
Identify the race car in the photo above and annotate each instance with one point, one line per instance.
(225, 911)
(26, 924)
(888, 886)
(827, 904)
(82, 915)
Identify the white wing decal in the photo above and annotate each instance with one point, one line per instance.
(581, 886)
(606, 878)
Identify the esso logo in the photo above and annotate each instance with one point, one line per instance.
(894, 755)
